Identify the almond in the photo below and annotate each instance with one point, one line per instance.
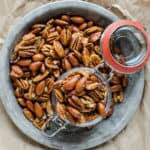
(22, 102)
(38, 57)
(60, 22)
(77, 19)
(93, 29)
(94, 37)
(40, 88)
(80, 84)
(38, 110)
(71, 83)
(24, 62)
(101, 110)
(73, 60)
(74, 112)
(66, 64)
(65, 18)
(35, 66)
(83, 26)
(59, 49)
(30, 105)
(28, 114)
(41, 26)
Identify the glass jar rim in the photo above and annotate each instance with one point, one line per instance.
(106, 51)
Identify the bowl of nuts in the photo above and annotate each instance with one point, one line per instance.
(54, 79)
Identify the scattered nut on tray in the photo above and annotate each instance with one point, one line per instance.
(50, 49)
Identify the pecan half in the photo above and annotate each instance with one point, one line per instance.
(16, 72)
(49, 85)
(65, 37)
(52, 36)
(76, 41)
(25, 51)
(24, 84)
(40, 76)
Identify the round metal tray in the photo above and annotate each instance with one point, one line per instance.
(78, 140)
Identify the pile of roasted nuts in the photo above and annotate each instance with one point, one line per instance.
(50, 49)
(81, 97)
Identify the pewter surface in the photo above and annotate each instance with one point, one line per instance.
(68, 141)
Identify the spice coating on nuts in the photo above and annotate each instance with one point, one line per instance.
(47, 51)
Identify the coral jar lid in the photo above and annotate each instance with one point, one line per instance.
(133, 42)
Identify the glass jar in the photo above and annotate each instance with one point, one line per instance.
(131, 38)
(132, 41)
